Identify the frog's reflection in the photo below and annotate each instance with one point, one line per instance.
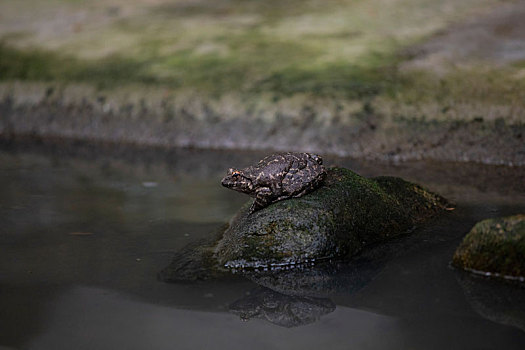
(280, 309)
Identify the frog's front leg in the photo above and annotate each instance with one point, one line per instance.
(263, 198)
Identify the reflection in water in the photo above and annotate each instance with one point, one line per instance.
(300, 296)
(87, 318)
(327, 278)
(498, 301)
(280, 309)
(288, 297)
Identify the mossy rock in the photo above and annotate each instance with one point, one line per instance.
(337, 220)
(494, 247)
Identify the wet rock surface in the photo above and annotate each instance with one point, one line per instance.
(494, 247)
(336, 221)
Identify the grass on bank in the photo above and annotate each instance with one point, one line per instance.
(210, 74)
(346, 49)
(214, 76)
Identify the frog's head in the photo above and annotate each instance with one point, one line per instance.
(237, 181)
(316, 158)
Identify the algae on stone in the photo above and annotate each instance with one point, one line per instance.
(494, 247)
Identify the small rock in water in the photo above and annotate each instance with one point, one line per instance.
(149, 184)
(494, 248)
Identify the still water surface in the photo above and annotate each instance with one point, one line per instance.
(84, 233)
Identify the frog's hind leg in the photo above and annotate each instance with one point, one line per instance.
(263, 198)
(302, 192)
(299, 183)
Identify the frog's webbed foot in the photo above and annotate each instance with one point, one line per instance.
(263, 198)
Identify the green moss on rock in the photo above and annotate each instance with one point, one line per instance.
(337, 220)
(494, 246)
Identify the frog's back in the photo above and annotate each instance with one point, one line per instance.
(305, 175)
(271, 168)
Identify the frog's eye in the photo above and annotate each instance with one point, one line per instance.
(317, 159)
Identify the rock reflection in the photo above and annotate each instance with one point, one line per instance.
(326, 279)
(300, 296)
(288, 296)
(498, 301)
(281, 309)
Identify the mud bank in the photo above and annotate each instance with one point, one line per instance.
(368, 129)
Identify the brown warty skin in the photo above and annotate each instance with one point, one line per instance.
(276, 177)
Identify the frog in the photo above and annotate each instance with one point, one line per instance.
(277, 177)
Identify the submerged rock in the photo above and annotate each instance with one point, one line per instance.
(196, 261)
(335, 221)
(494, 247)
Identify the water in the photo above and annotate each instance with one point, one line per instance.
(84, 232)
